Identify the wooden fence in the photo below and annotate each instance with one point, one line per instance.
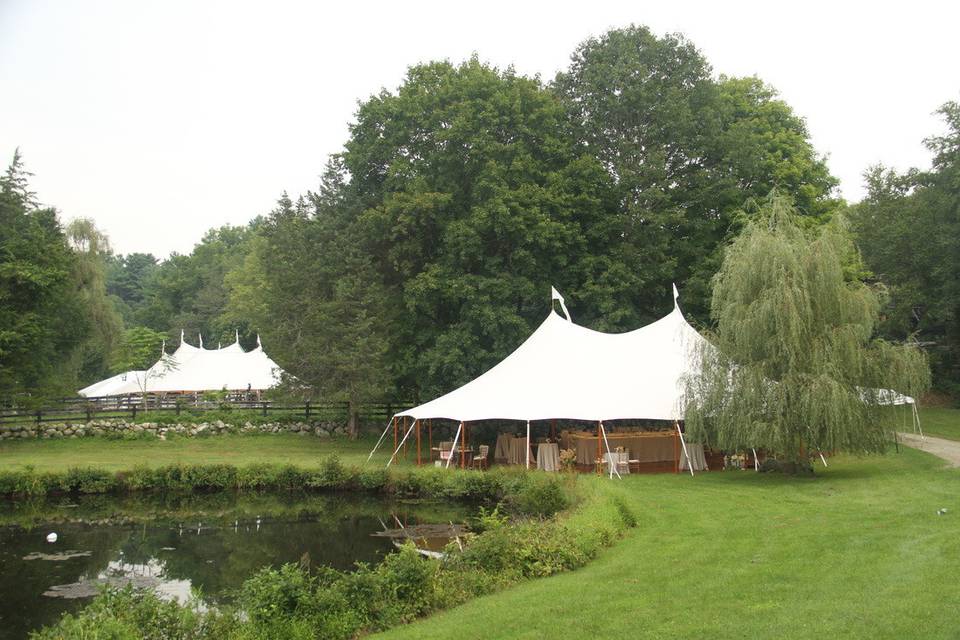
(130, 407)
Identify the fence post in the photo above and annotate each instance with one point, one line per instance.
(134, 410)
(38, 417)
(89, 413)
(308, 410)
(264, 408)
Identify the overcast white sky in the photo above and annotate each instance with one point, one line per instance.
(160, 120)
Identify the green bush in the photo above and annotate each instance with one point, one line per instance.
(540, 497)
(86, 480)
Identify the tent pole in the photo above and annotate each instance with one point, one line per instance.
(394, 436)
(916, 421)
(453, 447)
(430, 437)
(397, 450)
(756, 461)
(553, 428)
(405, 442)
(528, 445)
(613, 467)
(676, 454)
(463, 444)
(416, 422)
(685, 452)
(822, 459)
(377, 446)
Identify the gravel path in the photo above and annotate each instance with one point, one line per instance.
(949, 450)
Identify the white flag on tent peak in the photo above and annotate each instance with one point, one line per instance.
(676, 294)
(555, 295)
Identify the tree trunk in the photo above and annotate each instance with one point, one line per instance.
(353, 421)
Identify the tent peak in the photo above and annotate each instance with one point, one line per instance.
(555, 295)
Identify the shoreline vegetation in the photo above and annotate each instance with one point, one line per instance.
(529, 525)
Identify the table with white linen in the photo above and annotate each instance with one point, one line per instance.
(695, 451)
(548, 456)
(501, 451)
(517, 451)
(620, 460)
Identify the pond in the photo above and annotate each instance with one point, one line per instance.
(182, 543)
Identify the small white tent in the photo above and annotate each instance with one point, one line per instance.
(191, 369)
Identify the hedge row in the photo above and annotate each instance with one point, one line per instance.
(533, 494)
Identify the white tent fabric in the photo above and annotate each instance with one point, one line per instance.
(120, 384)
(564, 370)
(192, 368)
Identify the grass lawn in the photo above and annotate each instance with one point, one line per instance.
(941, 422)
(115, 455)
(857, 552)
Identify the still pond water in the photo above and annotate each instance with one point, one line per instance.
(176, 544)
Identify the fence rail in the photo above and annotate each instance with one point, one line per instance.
(87, 409)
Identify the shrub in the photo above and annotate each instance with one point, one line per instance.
(86, 480)
(540, 497)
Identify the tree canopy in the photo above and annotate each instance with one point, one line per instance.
(793, 365)
(908, 227)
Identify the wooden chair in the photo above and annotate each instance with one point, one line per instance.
(480, 460)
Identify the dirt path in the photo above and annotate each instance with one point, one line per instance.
(949, 450)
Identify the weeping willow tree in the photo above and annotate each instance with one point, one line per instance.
(793, 366)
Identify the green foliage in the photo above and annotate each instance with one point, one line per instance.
(793, 367)
(686, 151)
(131, 615)
(92, 357)
(41, 311)
(540, 498)
(909, 231)
(139, 348)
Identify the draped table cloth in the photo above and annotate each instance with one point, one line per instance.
(501, 452)
(656, 446)
(695, 450)
(548, 456)
(517, 451)
(620, 460)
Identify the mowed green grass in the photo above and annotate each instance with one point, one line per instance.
(940, 422)
(856, 552)
(118, 455)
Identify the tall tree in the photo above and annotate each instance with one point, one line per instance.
(793, 366)
(685, 152)
(41, 315)
(471, 198)
(908, 227)
(92, 357)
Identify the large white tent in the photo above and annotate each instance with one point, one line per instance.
(564, 370)
(191, 369)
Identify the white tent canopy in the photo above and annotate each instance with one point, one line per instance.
(564, 370)
(192, 368)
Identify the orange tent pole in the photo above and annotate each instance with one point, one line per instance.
(394, 454)
(430, 437)
(463, 449)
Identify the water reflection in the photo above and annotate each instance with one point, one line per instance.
(179, 544)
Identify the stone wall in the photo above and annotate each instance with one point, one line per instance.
(122, 428)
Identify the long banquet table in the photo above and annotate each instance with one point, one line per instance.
(650, 446)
